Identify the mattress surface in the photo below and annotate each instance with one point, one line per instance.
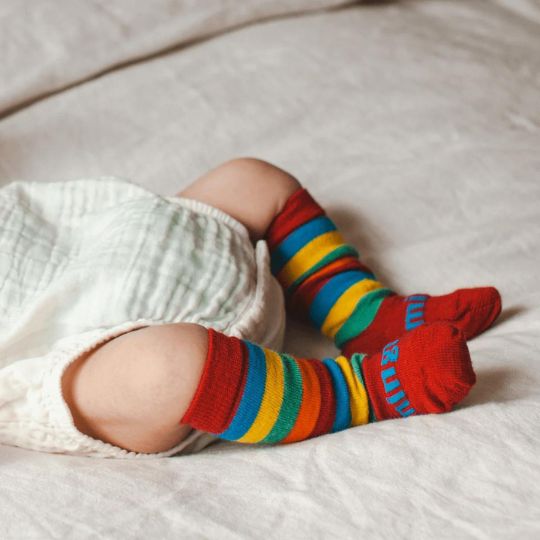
(417, 125)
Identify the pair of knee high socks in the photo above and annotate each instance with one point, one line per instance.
(402, 356)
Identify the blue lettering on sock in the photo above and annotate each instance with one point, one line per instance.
(398, 396)
(408, 412)
(414, 314)
(417, 298)
(389, 385)
(390, 352)
(402, 406)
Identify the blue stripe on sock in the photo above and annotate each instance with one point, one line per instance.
(341, 390)
(297, 239)
(331, 291)
(252, 397)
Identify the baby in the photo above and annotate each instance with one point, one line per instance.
(135, 324)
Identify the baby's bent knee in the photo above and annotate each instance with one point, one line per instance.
(133, 390)
(166, 369)
(261, 174)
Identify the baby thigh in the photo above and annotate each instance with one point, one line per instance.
(133, 390)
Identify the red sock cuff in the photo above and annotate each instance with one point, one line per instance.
(299, 208)
(224, 379)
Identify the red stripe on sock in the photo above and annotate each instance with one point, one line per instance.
(327, 412)
(299, 208)
(221, 385)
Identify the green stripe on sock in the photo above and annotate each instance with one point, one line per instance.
(292, 399)
(341, 251)
(356, 363)
(362, 316)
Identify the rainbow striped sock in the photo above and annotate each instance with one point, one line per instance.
(250, 394)
(322, 275)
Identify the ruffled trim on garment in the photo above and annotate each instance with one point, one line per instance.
(203, 208)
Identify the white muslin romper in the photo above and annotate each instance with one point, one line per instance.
(85, 260)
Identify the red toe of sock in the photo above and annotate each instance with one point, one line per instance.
(427, 370)
(470, 310)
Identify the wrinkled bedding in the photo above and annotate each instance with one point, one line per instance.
(417, 123)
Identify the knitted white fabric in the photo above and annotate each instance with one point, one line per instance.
(85, 260)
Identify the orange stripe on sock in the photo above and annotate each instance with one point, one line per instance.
(310, 406)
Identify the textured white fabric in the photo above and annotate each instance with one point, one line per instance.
(416, 123)
(87, 260)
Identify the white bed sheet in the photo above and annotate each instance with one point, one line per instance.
(417, 124)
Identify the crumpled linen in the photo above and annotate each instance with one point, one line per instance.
(417, 125)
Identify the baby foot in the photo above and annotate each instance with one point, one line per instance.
(428, 370)
(470, 310)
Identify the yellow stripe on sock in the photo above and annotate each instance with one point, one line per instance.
(358, 395)
(309, 256)
(271, 401)
(345, 305)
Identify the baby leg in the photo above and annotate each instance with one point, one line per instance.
(248, 189)
(132, 390)
(142, 391)
(321, 274)
(325, 281)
